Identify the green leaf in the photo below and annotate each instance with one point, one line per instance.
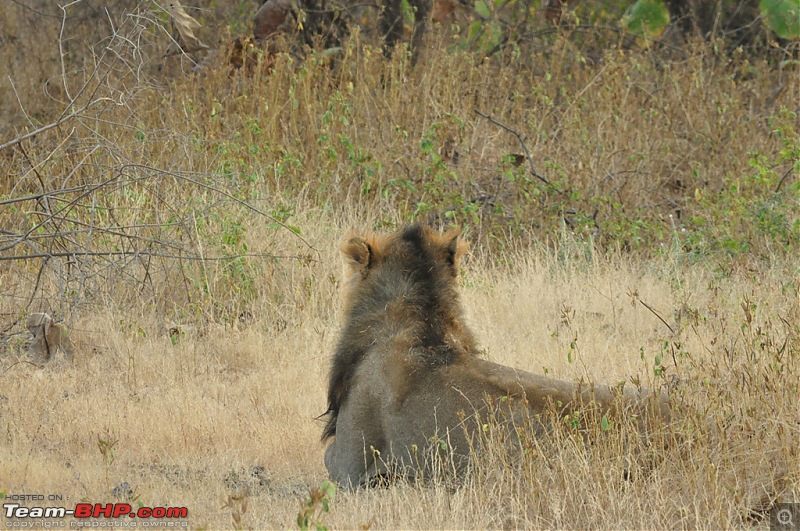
(605, 425)
(474, 29)
(482, 9)
(328, 488)
(648, 18)
(783, 17)
(495, 35)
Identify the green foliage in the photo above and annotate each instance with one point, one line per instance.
(573, 420)
(782, 16)
(236, 270)
(439, 442)
(647, 18)
(200, 175)
(315, 506)
(176, 333)
(658, 367)
(499, 23)
(756, 213)
(495, 23)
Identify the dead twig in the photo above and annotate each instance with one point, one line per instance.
(70, 254)
(48, 126)
(524, 147)
(22, 362)
(656, 314)
(785, 175)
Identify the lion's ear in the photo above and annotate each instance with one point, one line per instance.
(456, 248)
(357, 254)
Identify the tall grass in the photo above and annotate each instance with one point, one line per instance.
(185, 224)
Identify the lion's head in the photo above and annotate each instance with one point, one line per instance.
(403, 283)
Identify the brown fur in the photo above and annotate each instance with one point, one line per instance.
(407, 369)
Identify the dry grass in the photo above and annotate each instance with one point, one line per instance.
(193, 420)
(160, 222)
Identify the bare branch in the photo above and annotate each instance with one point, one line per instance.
(46, 127)
(522, 143)
(110, 254)
(245, 204)
(656, 314)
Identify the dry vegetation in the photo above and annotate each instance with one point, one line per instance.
(185, 227)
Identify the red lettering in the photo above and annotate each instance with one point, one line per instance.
(177, 512)
(83, 510)
(116, 510)
(103, 510)
(121, 509)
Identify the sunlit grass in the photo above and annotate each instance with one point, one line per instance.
(186, 226)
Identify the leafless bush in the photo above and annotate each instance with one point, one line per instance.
(85, 216)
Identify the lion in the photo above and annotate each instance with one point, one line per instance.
(407, 373)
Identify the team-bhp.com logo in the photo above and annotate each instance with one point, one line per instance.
(156, 516)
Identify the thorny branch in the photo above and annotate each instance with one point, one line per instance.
(85, 233)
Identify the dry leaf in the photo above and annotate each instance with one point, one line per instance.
(186, 26)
